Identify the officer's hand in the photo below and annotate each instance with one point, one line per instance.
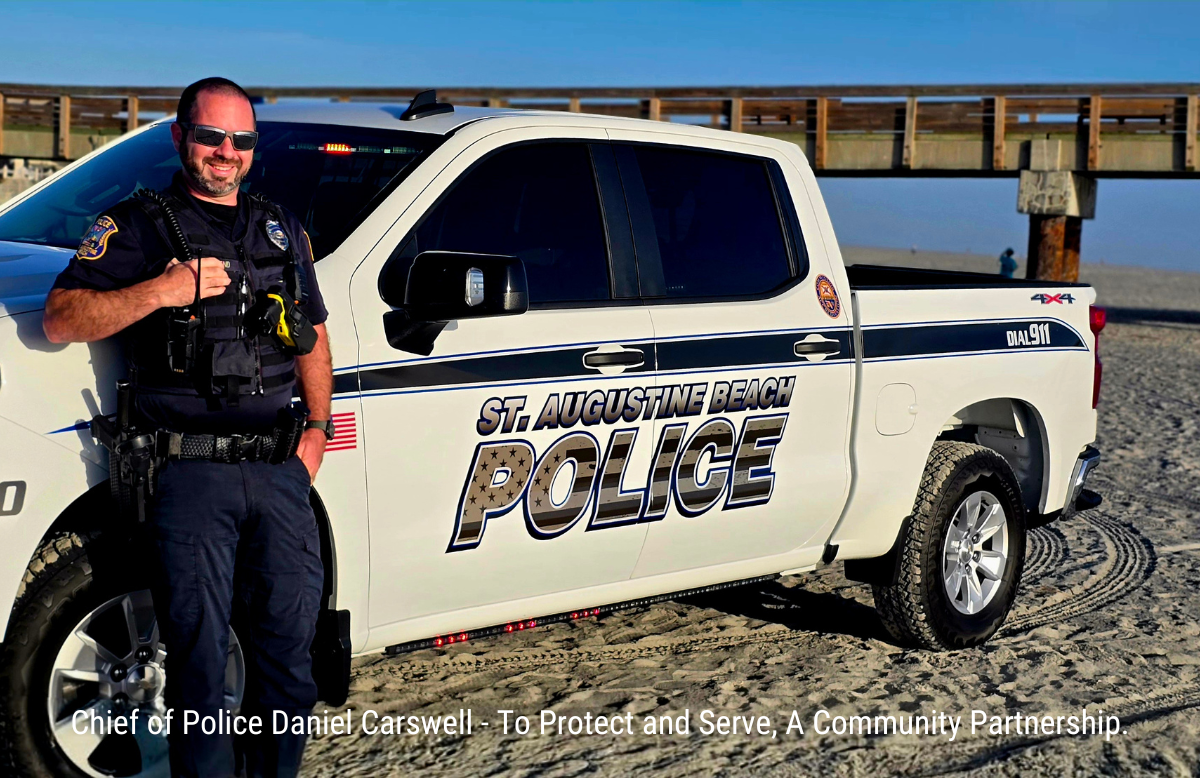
(179, 281)
(312, 451)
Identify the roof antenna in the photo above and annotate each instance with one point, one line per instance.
(425, 104)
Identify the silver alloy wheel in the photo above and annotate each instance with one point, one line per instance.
(111, 664)
(975, 552)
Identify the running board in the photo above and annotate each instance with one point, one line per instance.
(442, 641)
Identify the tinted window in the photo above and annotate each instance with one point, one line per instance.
(326, 175)
(715, 222)
(536, 202)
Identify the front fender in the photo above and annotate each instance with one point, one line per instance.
(52, 476)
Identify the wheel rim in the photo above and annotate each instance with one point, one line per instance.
(111, 664)
(975, 552)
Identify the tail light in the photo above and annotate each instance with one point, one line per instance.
(1096, 320)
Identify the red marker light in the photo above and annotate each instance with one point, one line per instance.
(1097, 318)
(437, 642)
(508, 627)
(595, 611)
(462, 638)
(338, 148)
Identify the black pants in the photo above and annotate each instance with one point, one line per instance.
(236, 542)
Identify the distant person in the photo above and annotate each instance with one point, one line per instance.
(914, 250)
(1008, 264)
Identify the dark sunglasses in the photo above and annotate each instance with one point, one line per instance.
(205, 135)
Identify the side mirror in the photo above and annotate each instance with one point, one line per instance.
(447, 285)
(444, 285)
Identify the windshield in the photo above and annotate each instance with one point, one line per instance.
(328, 176)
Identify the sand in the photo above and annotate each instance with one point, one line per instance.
(1107, 620)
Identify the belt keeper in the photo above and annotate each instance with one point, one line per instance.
(167, 444)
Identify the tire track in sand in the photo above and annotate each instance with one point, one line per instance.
(1128, 562)
(1130, 712)
(1047, 550)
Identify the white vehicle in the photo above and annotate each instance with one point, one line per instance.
(696, 391)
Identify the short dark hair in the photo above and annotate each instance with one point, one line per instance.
(187, 100)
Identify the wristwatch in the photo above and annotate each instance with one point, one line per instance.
(326, 426)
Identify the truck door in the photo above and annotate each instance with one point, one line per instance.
(487, 460)
(754, 358)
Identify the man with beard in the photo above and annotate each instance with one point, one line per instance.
(230, 520)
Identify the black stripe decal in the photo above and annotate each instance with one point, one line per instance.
(935, 339)
(713, 352)
(744, 351)
(500, 368)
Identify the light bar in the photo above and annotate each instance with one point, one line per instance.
(513, 627)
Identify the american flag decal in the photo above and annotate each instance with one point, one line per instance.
(345, 436)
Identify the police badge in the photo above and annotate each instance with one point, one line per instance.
(277, 235)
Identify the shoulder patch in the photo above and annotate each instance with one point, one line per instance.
(95, 242)
(828, 297)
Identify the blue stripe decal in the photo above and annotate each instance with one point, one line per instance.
(80, 425)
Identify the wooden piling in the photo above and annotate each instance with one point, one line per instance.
(131, 113)
(998, 111)
(910, 132)
(820, 155)
(734, 112)
(62, 148)
(1093, 155)
(1054, 243)
(1190, 130)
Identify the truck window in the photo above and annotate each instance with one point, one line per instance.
(715, 222)
(328, 176)
(537, 202)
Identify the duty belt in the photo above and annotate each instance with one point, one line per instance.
(230, 449)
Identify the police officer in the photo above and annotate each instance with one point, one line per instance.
(235, 535)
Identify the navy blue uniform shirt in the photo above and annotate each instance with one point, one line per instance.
(124, 248)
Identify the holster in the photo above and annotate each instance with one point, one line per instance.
(133, 462)
(289, 428)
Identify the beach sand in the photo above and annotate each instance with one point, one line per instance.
(1107, 619)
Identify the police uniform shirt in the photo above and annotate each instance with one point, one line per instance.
(123, 248)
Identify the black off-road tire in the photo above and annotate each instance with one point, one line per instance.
(916, 610)
(61, 586)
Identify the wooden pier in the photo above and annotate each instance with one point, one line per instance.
(1057, 138)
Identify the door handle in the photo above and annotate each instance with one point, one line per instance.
(804, 348)
(630, 357)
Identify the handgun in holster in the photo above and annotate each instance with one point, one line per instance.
(289, 428)
(132, 459)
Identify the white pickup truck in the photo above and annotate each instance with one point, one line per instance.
(580, 361)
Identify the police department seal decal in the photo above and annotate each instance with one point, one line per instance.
(828, 297)
(277, 235)
(95, 242)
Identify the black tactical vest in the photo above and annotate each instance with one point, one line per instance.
(232, 361)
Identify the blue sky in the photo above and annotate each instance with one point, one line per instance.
(674, 43)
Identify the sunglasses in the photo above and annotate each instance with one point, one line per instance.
(205, 135)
